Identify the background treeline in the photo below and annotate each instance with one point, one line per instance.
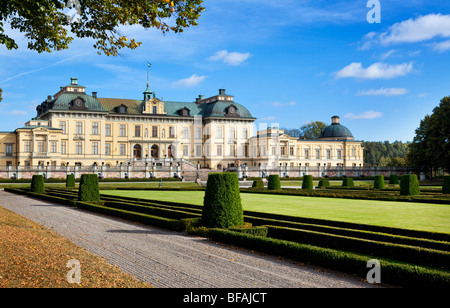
(378, 153)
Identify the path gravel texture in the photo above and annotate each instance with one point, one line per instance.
(168, 259)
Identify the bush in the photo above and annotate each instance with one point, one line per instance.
(307, 182)
(409, 185)
(70, 180)
(347, 182)
(393, 179)
(274, 182)
(37, 184)
(258, 184)
(446, 185)
(89, 189)
(222, 207)
(378, 182)
(324, 183)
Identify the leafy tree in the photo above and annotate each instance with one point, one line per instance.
(430, 149)
(312, 130)
(377, 153)
(47, 27)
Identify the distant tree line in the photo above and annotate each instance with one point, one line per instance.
(383, 154)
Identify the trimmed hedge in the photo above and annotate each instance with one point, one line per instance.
(446, 185)
(222, 206)
(258, 184)
(393, 179)
(378, 182)
(70, 180)
(409, 185)
(324, 183)
(37, 184)
(307, 182)
(407, 275)
(347, 182)
(89, 189)
(274, 182)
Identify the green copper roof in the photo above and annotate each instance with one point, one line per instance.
(63, 101)
(336, 131)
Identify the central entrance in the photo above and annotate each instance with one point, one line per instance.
(155, 151)
(137, 151)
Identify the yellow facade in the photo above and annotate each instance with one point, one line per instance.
(73, 128)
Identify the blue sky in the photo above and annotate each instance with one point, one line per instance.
(289, 62)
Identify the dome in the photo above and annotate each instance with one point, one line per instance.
(336, 131)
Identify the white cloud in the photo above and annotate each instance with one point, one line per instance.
(230, 58)
(368, 115)
(189, 82)
(375, 71)
(423, 28)
(383, 91)
(442, 46)
(17, 113)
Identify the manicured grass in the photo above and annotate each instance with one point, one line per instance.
(110, 185)
(34, 257)
(407, 215)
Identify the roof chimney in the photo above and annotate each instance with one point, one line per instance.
(222, 91)
(74, 81)
(94, 94)
(335, 120)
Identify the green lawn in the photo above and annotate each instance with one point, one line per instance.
(407, 215)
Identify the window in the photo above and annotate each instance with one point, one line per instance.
(95, 128)
(171, 132)
(107, 148)
(185, 132)
(328, 154)
(41, 147)
(219, 150)
(198, 132)
(307, 154)
(339, 154)
(62, 125)
(245, 133)
(283, 150)
(154, 131)
(219, 132)
(245, 150)
(291, 151)
(63, 147)
(137, 131)
(123, 131)
(9, 150)
(353, 151)
(155, 110)
(108, 130)
(232, 150)
(185, 150)
(232, 133)
(53, 147)
(123, 149)
(27, 148)
(79, 126)
(198, 150)
(79, 148)
(274, 151)
(317, 154)
(94, 148)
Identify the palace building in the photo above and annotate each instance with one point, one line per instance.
(75, 128)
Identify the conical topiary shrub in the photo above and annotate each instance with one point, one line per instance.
(409, 185)
(307, 182)
(89, 189)
(378, 182)
(37, 184)
(70, 180)
(273, 183)
(222, 206)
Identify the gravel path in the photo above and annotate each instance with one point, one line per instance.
(169, 259)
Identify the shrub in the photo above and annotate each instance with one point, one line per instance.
(307, 182)
(273, 183)
(347, 182)
(37, 184)
(89, 189)
(446, 185)
(222, 206)
(258, 184)
(70, 180)
(393, 179)
(409, 185)
(378, 182)
(324, 183)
